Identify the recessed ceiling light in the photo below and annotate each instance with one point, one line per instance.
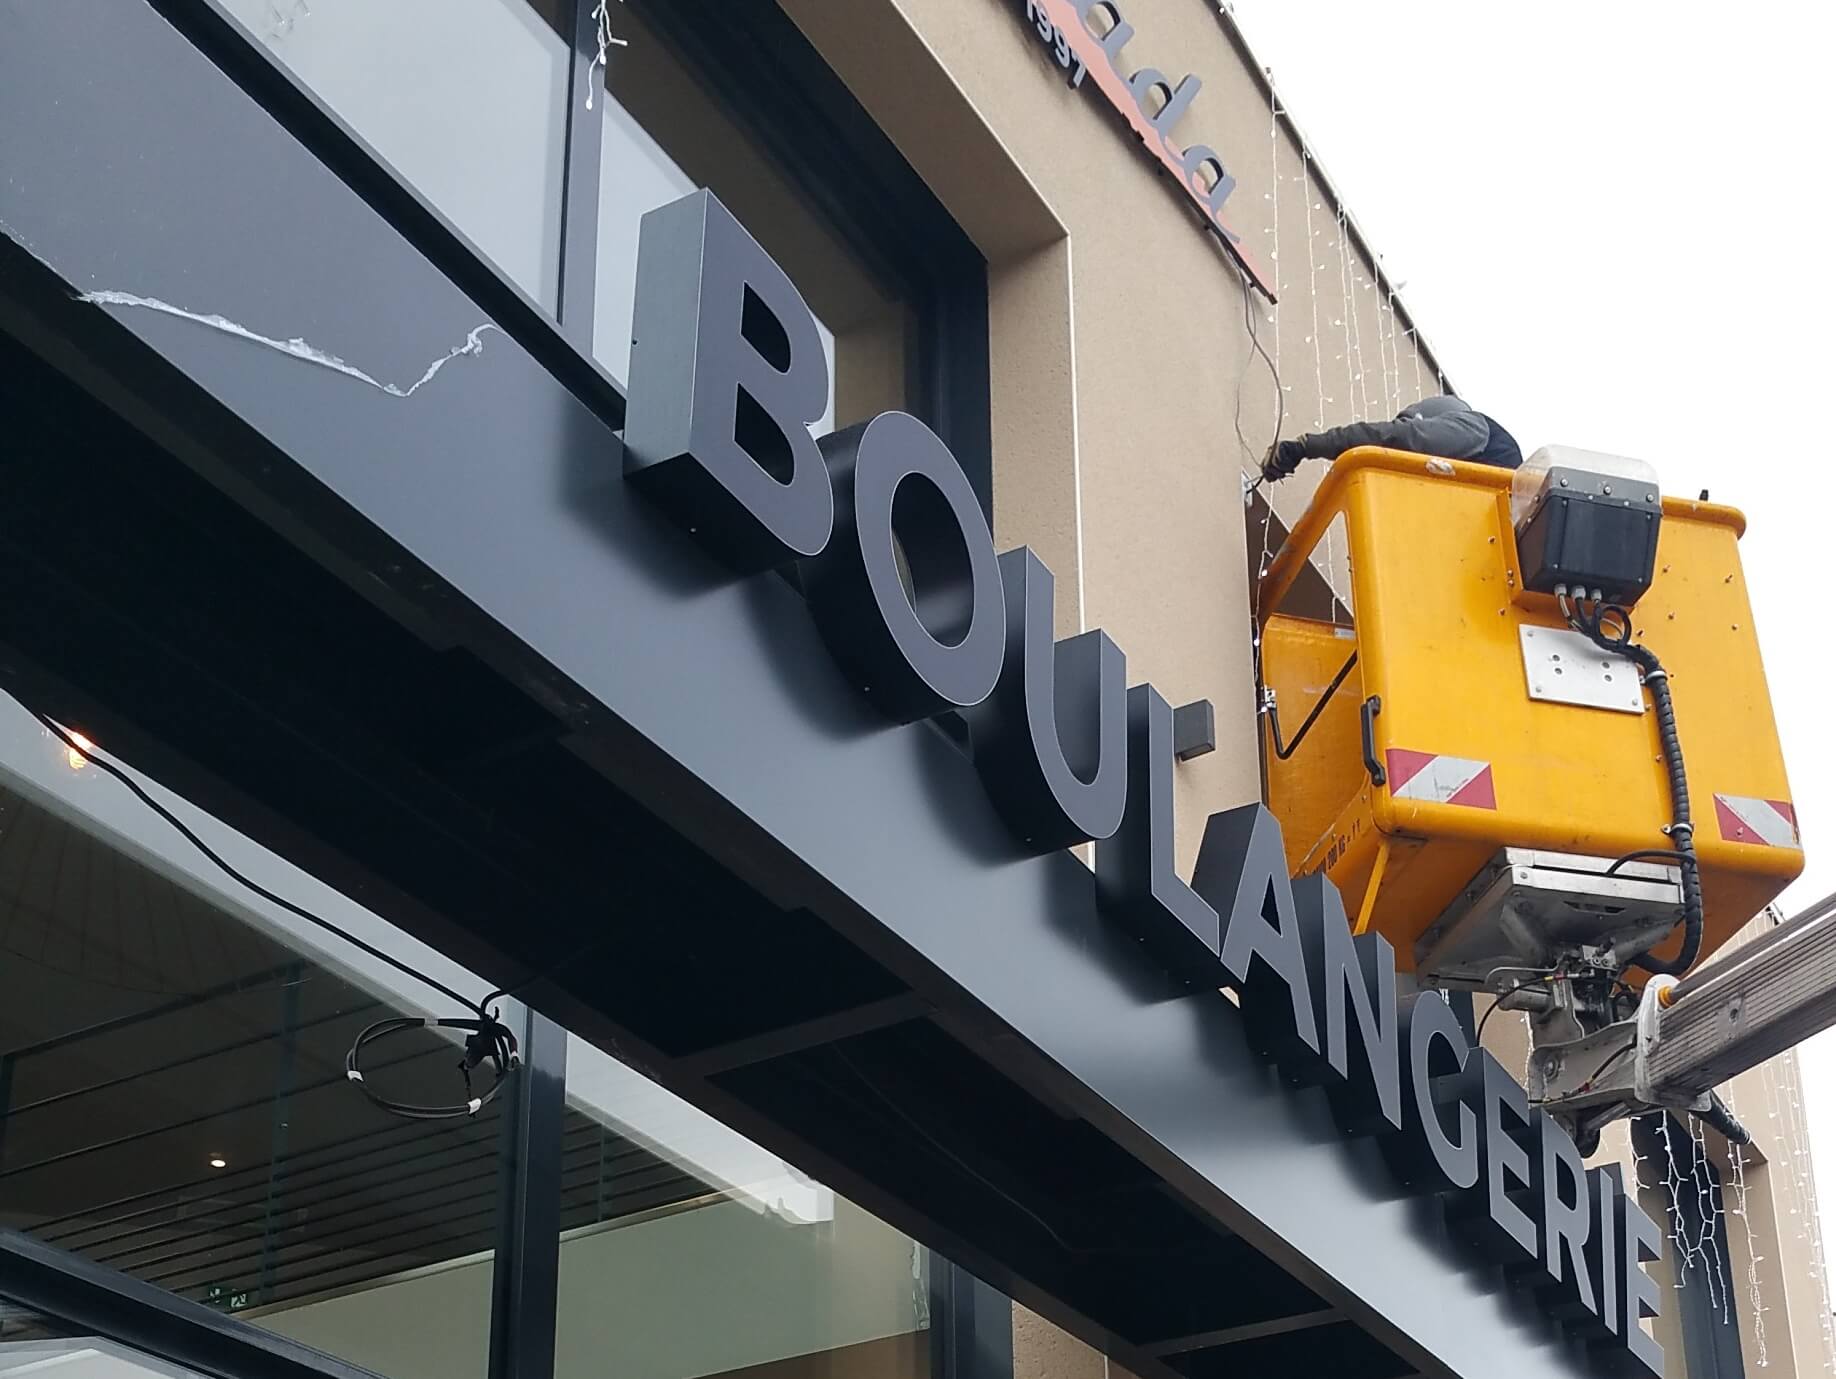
(218, 1161)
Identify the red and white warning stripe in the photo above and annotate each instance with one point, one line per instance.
(1764, 823)
(1440, 779)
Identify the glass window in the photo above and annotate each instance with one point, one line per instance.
(174, 1104)
(466, 99)
(173, 1095)
(689, 1251)
(33, 1343)
(664, 136)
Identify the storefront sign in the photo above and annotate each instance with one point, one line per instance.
(727, 373)
(1087, 37)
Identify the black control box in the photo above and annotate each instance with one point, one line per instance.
(1587, 542)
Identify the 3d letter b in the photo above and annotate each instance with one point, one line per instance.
(727, 373)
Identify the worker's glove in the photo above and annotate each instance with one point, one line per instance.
(1283, 459)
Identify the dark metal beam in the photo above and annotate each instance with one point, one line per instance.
(99, 1301)
(808, 1034)
(1280, 1326)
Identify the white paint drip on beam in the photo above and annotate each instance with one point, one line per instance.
(295, 348)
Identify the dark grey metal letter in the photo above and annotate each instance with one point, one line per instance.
(1505, 1140)
(1432, 1054)
(1242, 873)
(1604, 1192)
(1051, 743)
(1136, 879)
(1358, 974)
(1567, 1209)
(727, 373)
(940, 646)
(1640, 1241)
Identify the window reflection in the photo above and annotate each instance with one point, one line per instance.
(466, 99)
(173, 1098)
(665, 135)
(174, 1105)
(33, 1343)
(761, 1272)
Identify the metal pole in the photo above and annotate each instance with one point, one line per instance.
(527, 1268)
(278, 1126)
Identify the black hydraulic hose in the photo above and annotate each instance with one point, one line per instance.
(1682, 829)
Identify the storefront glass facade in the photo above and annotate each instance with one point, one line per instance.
(177, 1108)
(177, 1002)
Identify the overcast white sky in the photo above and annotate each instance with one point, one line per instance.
(1610, 217)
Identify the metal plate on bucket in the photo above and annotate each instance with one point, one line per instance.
(1565, 667)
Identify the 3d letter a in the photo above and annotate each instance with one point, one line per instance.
(1242, 873)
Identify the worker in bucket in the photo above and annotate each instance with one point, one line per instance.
(1443, 426)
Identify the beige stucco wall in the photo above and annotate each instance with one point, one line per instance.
(1122, 365)
(1118, 335)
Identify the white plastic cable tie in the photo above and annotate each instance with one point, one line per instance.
(1442, 467)
(353, 1075)
(471, 1107)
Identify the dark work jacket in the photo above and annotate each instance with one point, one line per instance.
(1443, 426)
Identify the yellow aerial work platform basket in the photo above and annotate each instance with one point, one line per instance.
(1456, 727)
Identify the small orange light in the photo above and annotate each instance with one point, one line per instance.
(77, 755)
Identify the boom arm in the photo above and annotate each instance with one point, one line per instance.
(1690, 1036)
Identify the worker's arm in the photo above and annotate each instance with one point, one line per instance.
(1452, 435)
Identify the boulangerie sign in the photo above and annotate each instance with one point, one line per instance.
(923, 615)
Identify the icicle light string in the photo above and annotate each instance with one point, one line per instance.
(1344, 321)
(1356, 307)
(1741, 1211)
(1800, 1201)
(1281, 288)
(1313, 292)
(1681, 1249)
(1393, 370)
(1804, 1187)
(1711, 1214)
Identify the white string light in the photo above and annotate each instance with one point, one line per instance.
(1357, 329)
(1344, 321)
(1710, 1213)
(1281, 287)
(1313, 292)
(1756, 1303)
(602, 26)
(1392, 374)
(1805, 1195)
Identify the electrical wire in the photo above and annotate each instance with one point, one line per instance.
(489, 1039)
(1601, 1071)
(1609, 627)
(1281, 402)
(1642, 855)
(1499, 999)
(1596, 1075)
(88, 752)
